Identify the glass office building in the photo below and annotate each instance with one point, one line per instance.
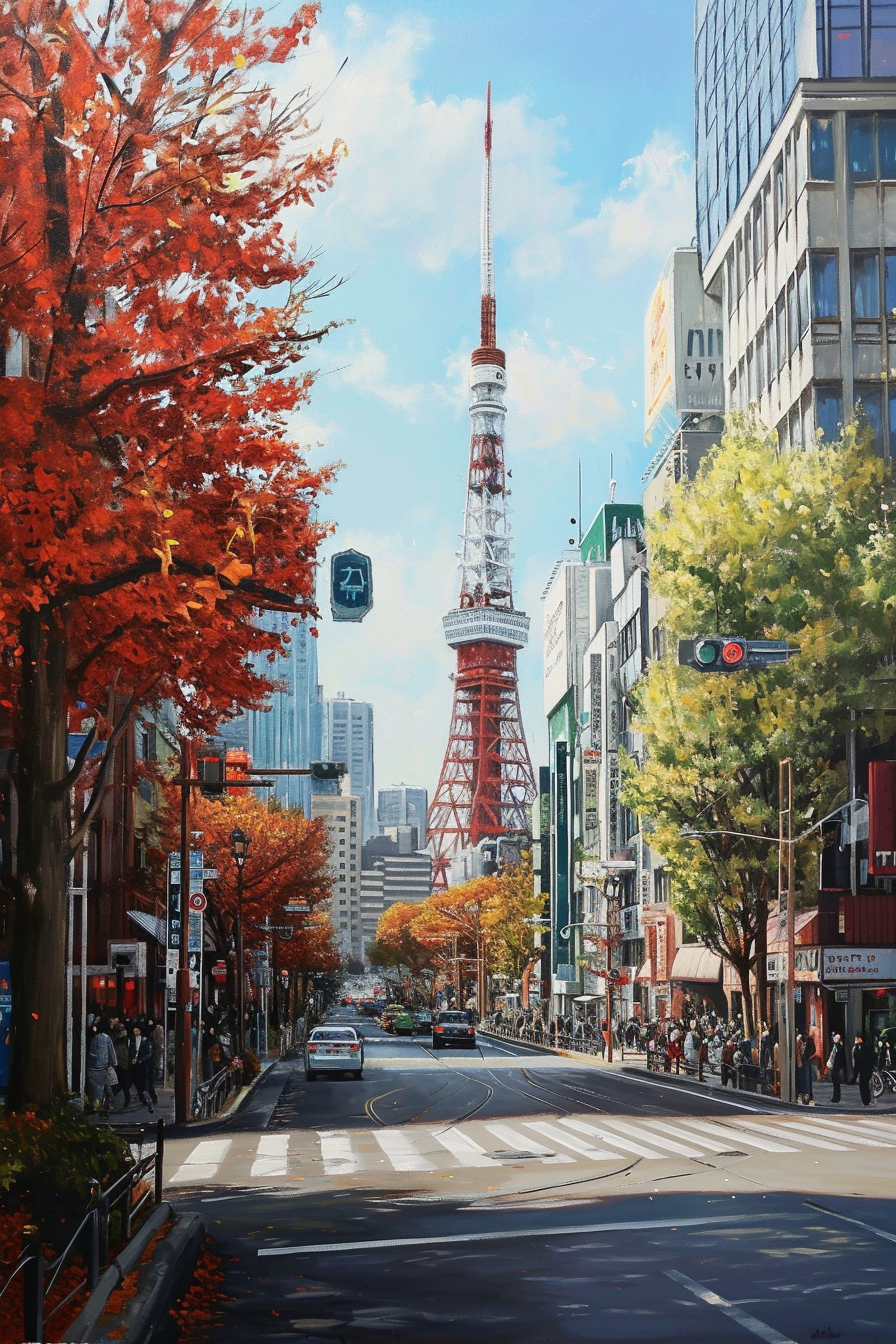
(750, 56)
(796, 198)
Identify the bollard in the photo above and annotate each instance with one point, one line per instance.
(33, 1287)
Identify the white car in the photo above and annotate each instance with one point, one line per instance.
(334, 1050)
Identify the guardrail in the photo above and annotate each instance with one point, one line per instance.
(211, 1095)
(578, 1043)
(130, 1194)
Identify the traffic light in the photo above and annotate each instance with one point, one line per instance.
(723, 653)
(327, 769)
(210, 770)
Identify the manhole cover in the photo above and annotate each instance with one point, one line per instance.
(732, 1152)
(506, 1155)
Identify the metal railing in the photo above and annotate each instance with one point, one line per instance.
(211, 1095)
(130, 1194)
(579, 1043)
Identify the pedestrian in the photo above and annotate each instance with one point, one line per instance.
(158, 1051)
(805, 1049)
(727, 1066)
(122, 1069)
(100, 1067)
(863, 1067)
(837, 1065)
(140, 1060)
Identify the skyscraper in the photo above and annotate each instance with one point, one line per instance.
(348, 737)
(796, 203)
(288, 733)
(403, 806)
(486, 782)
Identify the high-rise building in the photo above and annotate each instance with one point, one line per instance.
(486, 783)
(403, 806)
(342, 813)
(348, 737)
(287, 734)
(796, 208)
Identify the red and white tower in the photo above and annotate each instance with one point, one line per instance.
(486, 781)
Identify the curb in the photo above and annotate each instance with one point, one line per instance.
(145, 1316)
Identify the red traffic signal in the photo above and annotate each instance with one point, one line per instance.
(723, 653)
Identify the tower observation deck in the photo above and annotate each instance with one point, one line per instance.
(486, 782)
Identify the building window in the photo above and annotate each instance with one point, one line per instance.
(829, 410)
(628, 640)
(802, 289)
(760, 361)
(868, 406)
(860, 148)
(793, 317)
(890, 283)
(821, 148)
(846, 40)
(865, 284)
(886, 143)
(662, 886)
(780, 192)
(758, 234)
(748, 248)
(883, 41)
(659, 641)
(770, 347)
(823, 271)
(780, 332)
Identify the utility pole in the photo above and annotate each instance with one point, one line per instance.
(183, 1053)
(786, 988)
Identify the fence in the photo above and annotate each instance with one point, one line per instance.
(211, 1095)
(129, 1195)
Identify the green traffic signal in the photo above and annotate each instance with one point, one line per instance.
(732, 653)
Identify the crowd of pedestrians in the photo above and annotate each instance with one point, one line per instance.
(124, 1055)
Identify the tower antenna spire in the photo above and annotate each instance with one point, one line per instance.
(487, 337)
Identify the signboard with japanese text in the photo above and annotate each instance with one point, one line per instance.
(859, 964)
(684, 368)
(351, 586)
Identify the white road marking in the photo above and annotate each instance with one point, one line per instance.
(736, 1136)
(337, 1152)
(465, 1238)
(203, 1162)
(867, 1227)
(838, 1129)
(751, 1323)
(797, 1132)
(271, 1155)
(569, 1141)
(711, 1145)
(611, 1123)
(400, 1151)
(519, 1143)
(467, 1152)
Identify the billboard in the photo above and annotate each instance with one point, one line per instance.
(351, 586)
(683, 357)
(882, 818)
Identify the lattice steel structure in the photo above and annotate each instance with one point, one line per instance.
(486, 782)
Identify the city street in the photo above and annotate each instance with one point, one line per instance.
(519, 1195)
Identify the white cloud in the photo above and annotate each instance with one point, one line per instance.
(552, 401)
(368, 370)
(414, 164)
(652, 212)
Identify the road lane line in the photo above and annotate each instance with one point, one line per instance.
(570, 1141)
(400, 1151)
(521, 1143)
(337, 1152)
(751, 1323)
(735, 1136)
(203, 1162)
(867, 1227)
(460, 1145)
(272, 1152)
(611, 1123)
(795, 1131)
(517, 1234)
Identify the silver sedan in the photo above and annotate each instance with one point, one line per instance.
(334, 1049)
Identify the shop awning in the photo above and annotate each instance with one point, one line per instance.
(646, 972)
(694, 963)
(150, 924)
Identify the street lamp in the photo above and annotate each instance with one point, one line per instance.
(239, 849)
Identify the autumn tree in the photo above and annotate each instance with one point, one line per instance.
(766, 545)
(511, 940)
(153, 500)
(398, 949)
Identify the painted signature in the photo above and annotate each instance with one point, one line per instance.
(827, 1333)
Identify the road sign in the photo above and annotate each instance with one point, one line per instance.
(351, 586)
(198, 901)
(297, 909)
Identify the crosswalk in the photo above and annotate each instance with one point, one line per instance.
(548, 1140)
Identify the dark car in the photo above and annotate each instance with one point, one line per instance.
(453, 1027)
(422, 1023)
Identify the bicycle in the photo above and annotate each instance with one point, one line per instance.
(880, 1079)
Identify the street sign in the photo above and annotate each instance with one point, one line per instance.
(351, 586)
(194, 934)
(297, 909)
(198, 901)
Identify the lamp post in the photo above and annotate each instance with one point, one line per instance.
(239, 849)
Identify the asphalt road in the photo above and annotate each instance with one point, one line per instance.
(508, 1194)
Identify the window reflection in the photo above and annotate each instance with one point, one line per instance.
(860, 147)
(868, 408)
(821, 148)
(866, 284)
(824, 284)
(829, 411)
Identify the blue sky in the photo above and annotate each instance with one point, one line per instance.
(593, 186)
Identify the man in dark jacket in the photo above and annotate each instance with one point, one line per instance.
(863, 1067)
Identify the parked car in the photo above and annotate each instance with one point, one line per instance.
(334, 1049)
(403, 1023)
(422, 1023)
(453, 1027)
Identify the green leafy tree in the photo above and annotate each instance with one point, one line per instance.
(765, 545)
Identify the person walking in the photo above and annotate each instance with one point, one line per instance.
(863, 1067)
(837, 1065)
(140, 1060)
(805, 1051)
(122, 1069)
(101, 1075)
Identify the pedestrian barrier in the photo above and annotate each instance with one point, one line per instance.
(211, 1095)
(128, 1196)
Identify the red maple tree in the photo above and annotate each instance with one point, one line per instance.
(152, 499)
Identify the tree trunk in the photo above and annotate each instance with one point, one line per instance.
(37, 1066)
(743, 973)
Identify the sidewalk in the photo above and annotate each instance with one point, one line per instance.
(138, 1114)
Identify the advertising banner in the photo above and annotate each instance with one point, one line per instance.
(859, 964)
(684, 369)
(882, 818)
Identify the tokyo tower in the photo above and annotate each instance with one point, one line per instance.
(486, 781)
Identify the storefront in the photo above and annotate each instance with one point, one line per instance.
(861, 989)
(696, 978)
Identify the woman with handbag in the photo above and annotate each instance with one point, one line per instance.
(837, 1065)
